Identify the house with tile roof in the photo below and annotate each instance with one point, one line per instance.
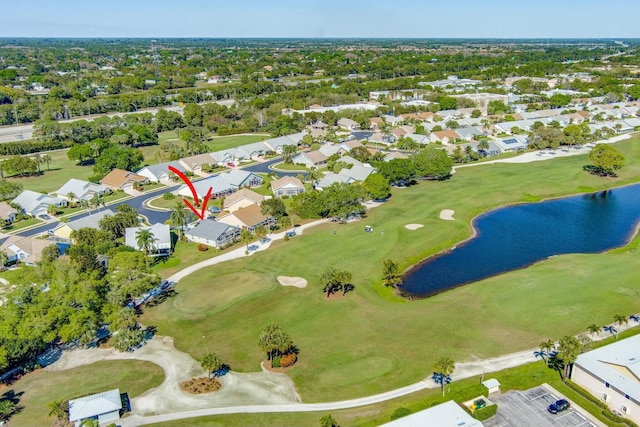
(27, 250)
(161, 172)
(64, 229)
(241, 199)
(249, 217)
(213, 233)
(120, 179)
(35, 204)
(83, 190)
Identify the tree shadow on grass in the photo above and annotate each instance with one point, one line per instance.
(171, 293)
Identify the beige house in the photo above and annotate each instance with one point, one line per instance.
(241, 199)
(26, 250)
(195, 163)
(287, 186)
(612, 374)
(119, 179)
(7, 213)
(444, 136)
(249, 217)
(65, 229)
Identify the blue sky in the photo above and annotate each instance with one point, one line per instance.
(321, 18)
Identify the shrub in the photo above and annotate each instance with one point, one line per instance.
(288, 360)
(401, 412)
(286, 237)
(168, 196)
(485, 413)
(275, 362)
(202, 247)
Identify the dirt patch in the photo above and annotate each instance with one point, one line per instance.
(297, 282)
(335, 295)
(447, 214)
(200, 385)
(413, 226)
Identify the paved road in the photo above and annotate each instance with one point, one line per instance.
(265, 168)
(152, 216)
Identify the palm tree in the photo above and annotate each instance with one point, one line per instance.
(443, 368)
(72, 198)
(391, 275)
(593, 329)
(483, 145)
(620, 319)
(52, 209)
(90, 422)
(7, 408)
(59, 409)
(210, 362)
(179, 217)
(547, 347)
(46, 159)
(568, 348)
(313, 175)
(145, 240)
(246, 236)
(261, 232)
(288, 151)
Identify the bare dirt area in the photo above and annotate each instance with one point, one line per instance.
(297, 282)
(447, 214)
(201, 385)
(255, 388)
(413, 227)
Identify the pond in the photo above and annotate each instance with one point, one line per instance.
(517, 236)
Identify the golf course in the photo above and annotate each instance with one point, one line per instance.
(371, 340)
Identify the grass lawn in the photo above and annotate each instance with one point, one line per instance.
(186, 253)
(38, 388)
(372, 341)
(19, 225)
(518, 378)
(61, 170)
(290, 167)
(218, 143)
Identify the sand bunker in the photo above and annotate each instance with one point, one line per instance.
(447, 214)
(298, 282)
(413, 226)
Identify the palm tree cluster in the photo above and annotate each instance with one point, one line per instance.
(334, 280)
(443, 368)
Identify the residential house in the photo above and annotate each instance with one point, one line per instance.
(161, 172)
(329, 149)
(311, 159)
(468, 133)
(82, 190)
(239, 178)
(357, 173)
(220, 187)
(213, 233)
(64, 229)
(276, 144)
(348, 124)
(621, 126)
(349, 145)
(419, 139)
(446, 136)
(333, 178)
(27, 250)
(512, 144)
(8, 213)
(249, 217)
(395, 155)
(392, 120)
(633, 122)
(287, 186)
(196, 163)
(611, 374)
(161, 234)
(376, 123)
(241, 199)
(36, 204)
(119, 179)
(448, 414)
(104, 407)
(398, 133)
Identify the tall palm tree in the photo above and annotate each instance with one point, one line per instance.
(179, 217)
(246, 236)
(288, 151)
(593, 329)
(568, 348)
(46, 159)
(547, 347)
(59, 409)
(443, 368)
(145, 240)
(261, 232)
(391, 275)
(72, 198)
(620, 319)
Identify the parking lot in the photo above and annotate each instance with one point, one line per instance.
(529, 408)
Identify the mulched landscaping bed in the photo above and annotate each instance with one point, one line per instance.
(201, 385)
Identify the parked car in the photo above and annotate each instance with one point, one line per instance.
(214, 209)
(558, 406)
(231, 165)
(44, 216)
(291, 233)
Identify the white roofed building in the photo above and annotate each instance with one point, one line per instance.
(104, 407)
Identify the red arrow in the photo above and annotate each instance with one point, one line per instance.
(194, 193)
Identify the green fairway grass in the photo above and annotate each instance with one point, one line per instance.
(61, 170)
(372, 341)
(218, 143)
(38, 388)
